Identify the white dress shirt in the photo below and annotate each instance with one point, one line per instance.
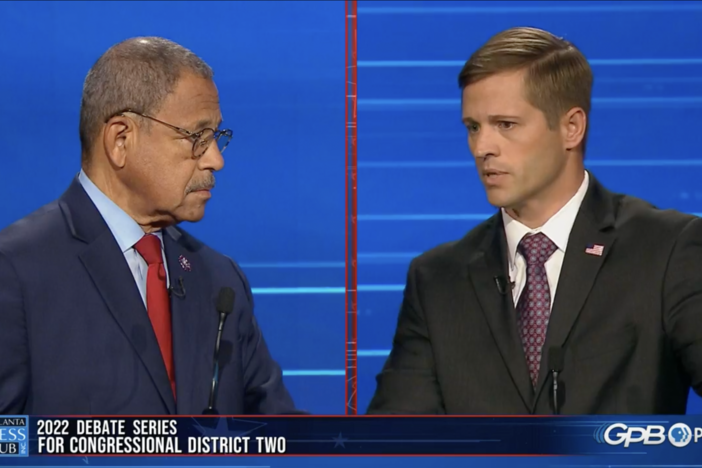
(126, 232)
(557, 228)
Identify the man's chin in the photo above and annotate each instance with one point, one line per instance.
(500, 200)
(191, 215)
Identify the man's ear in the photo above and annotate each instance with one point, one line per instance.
(573, 126)
(118, 137)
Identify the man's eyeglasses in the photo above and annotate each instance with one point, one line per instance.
(201, 140)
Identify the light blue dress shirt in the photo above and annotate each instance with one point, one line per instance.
(126, 232)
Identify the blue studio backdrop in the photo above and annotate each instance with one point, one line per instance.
(279, 205)
(417, 184)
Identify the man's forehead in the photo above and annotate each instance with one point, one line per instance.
(195, 103)
(194, 116)
(480, 103)
(477, 110)
(493, 90)
(195, 91)
(505, 85)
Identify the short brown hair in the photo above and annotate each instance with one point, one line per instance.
(137, 74)
(558, 75)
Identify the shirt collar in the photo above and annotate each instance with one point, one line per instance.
(125, 230)
(557, 228)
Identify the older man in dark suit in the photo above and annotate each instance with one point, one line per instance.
(106, 306)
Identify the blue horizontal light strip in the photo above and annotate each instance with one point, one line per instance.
(454, 103)
(643, 162)
(424, 217)
(375, 255)
(650, 79)
(387, 261)
(434, 217)
(381, 287)
(373, 352)
(509, 9)
(314, 373)
(374, 103)
(592, 62)
(361, 288)
(294, 265)
(414, 164)
(409, 63)
(588, 162)
(278, 291)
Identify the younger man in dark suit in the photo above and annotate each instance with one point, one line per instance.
(606, 282)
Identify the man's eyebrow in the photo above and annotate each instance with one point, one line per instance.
(502, 117)
(492, 118)
(205, 123)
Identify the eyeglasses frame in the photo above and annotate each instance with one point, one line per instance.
(196, 136)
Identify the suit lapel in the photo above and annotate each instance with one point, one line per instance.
(594, 225)
(188, 304)
(105, 263)
(486, 264)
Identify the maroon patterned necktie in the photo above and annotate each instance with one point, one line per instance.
(534, 305)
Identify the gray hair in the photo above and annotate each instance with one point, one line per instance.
(138, 74)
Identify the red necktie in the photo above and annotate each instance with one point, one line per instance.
(157, 300)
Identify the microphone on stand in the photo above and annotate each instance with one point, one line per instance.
(225, 306)
(555, 363)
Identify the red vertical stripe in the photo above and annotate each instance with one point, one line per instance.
(346, 206)
(354, 140)
(350, 88)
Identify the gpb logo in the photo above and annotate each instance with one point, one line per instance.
(618, 433)
(679, 435)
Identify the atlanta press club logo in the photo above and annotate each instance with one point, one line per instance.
(14, 436)
(678, 435)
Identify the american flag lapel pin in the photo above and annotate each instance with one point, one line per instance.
(184, 263)
(594, 249)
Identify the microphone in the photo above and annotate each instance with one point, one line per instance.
(501, 284)
(181, 292)
(225, 306)
(555, 362)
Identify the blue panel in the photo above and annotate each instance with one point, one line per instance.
(417, 184)
(279, 67)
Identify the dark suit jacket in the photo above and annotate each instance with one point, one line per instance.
(75, 337)
(629, 322)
